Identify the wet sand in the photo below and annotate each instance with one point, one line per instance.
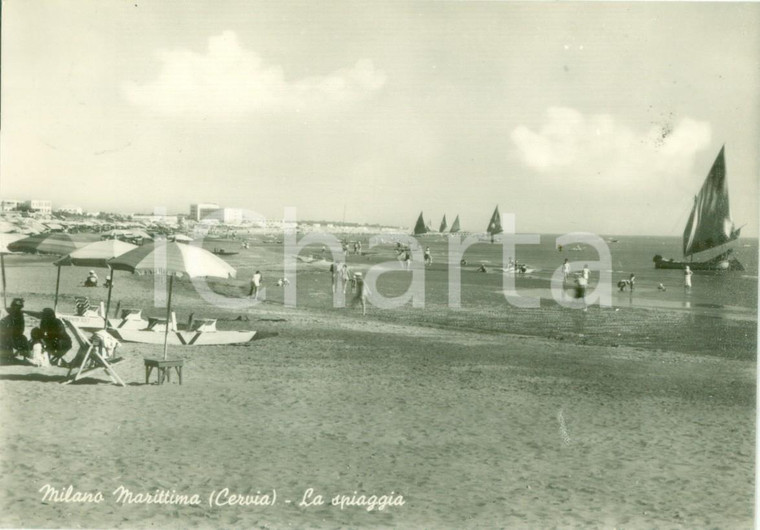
(473, 426)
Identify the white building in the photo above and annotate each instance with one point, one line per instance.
(39, 206)
(202, 210)
(8, 205)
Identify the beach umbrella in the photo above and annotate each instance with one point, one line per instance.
(52, 243)
(5, 240)
(172, 258)
(95, 254)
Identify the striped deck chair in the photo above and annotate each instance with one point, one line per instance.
(92, 357)
(82, 304)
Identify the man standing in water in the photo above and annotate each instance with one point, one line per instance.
(687, 278)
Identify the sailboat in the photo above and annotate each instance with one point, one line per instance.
(455, 227)
(444, 225)
(420, 227)
(494, 225)
(709, 227)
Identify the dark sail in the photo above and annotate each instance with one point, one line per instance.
(420, 227)
(494, 225)
(710, 223)
(455, 226)
(444, 226)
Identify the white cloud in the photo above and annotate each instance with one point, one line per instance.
(229, 80)
(604, 153)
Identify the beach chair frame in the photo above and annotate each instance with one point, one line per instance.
(92, 359)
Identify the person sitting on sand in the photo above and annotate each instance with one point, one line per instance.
(57, 341)
(91, 280)
(482, 268)
(661, 287)
(362, 292)
(108, 282)
(38, 356)
(12, 338)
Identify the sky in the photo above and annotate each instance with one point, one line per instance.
(598, 117)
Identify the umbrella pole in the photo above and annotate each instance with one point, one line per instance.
(168, 315)
(57, 284)
(2, 266)
(108, 301)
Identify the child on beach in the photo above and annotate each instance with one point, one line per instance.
(687, 278)
(344, 276)
(362, 292)
(581, 283)
(37, 355)
(255, 285)
(428, 256)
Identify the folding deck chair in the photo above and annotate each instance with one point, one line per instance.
(93, 357)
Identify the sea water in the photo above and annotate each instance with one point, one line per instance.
(717, 316)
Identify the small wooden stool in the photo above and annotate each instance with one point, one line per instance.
(164, 369)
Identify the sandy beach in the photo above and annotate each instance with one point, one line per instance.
(468, 427)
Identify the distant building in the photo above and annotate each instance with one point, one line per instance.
(9, 205)
(153, 218)
(202, 210)
(39, 206)
(233, 216)
(68, 208)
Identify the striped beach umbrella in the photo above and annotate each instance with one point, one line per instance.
(94, 254)
(52, 243)
(172, 258)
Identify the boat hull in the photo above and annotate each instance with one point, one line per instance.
(722, 264)
(184, 338)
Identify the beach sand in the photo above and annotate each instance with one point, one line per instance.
(472, 428)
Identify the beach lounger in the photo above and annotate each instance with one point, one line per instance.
(93, 358)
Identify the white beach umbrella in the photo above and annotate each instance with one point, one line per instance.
(95, 254)
(172, 258)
